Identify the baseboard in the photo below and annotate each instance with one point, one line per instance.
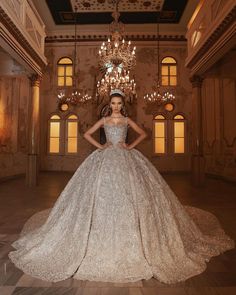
(221, 177)
(11, 177)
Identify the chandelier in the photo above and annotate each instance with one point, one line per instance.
(157, 97)
(117, 79)
(73, 95)
(116, 59)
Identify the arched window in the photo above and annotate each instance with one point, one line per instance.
(179, 134)
(54, 134)
(64, 72)
(159, 134)
(72, 134)
(168, 71)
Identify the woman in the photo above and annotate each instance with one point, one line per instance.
(117, 220)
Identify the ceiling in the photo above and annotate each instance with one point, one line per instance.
(95, 15)
(131, 11)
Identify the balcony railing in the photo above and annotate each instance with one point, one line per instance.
(25, 17)
(207, 18)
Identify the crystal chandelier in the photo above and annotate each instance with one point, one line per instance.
(117, 79)
(116, 59)
(116, 51)
(73, 95)
(157, 97)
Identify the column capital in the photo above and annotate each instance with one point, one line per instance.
(35, 80)
(196, 81)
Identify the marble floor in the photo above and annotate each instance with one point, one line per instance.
(18, 203)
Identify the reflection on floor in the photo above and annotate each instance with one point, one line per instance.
(18, 203)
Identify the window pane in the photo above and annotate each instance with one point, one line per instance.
(178, 117)
(72, 129)
(68, 71)
(173, 70)
(54, 129)
(55, 117)
(60, 71)
(73, 117)
(54, 145)
(68, 81)
(160, 145)
(173, 81)
(60, 81)
(169, 60)
(65, 60)
(164, 80)
(159, 129)
(164, 70)
(72, 145)
(179, 129)
(179, 145)
(159, 117)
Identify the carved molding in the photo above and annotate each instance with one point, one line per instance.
(35, 80)
(196, 81)
(100, 38)
(16, 33)
(215, 36)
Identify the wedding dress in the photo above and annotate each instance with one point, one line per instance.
(117, 220)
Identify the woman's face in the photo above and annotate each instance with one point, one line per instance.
(116, 104)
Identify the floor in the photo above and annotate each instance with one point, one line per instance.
(18, 203)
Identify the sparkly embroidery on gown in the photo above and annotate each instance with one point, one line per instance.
(117, 220)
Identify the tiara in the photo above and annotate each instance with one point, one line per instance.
(117, 91)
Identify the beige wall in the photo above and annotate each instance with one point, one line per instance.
(14, 98)
(219, 112)
(219, 109)
(145, 74)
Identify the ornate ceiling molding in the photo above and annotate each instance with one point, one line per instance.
(108, 6)
(133, 37)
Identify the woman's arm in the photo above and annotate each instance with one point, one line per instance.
(140, 131)
(90, 131)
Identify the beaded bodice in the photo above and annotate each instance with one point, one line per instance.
(115, 132)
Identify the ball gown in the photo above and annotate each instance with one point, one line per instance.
(117, 220)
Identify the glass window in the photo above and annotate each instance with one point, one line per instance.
(72, 134)
(179, 134)
(168, 71)
(54, 134)
(65, 72)
(159, 134)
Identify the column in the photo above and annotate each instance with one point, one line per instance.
(198, 160)
(33, 135)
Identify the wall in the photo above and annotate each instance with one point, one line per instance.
(14, 99)
(145, 74)
(219, 109)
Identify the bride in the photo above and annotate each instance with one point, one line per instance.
(117, 220)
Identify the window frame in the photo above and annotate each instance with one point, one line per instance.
(60, 120)
(169, 135)
(66, 134)
(65, 76)
(169, 75)
(164, 120)
(173, 133)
